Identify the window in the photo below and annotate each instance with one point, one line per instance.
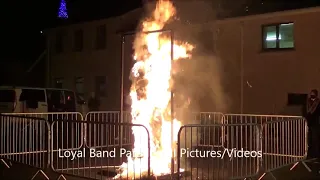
(32, 95)
(58, 83)
(79, 81)
(101, 37)
(279, 36)
(78, 40)
(100, 86)
(55, 100)
(297, 99)
(59, 42)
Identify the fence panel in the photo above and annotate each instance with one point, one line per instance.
(249, 118)
(284, 142)
(24, 140)
(219, 163)
(67, 136)
(96, 161)
(112, 132)
(209, 118)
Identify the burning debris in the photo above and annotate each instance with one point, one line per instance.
(151, 95)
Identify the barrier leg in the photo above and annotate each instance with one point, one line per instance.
(40, 172)
(61, 177)
(264, 174)
(304, 163)
(271, 174)
(306, 166)
(5, 163)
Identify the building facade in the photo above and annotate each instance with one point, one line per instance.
(270, 60)
(260, 64)
(86, 57)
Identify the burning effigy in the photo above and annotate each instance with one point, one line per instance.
(151, 95)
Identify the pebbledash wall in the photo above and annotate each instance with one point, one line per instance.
(264, 58)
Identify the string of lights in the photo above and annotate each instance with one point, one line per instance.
(62, 12)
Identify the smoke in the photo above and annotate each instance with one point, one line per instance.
(202, 77)
(198, 78)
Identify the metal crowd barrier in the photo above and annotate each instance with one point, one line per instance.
(285, 138)
(209, 118)
(113, 133)
(51, 116)
(284, 143)
(96, 161)
(250, 118)
(24, 140)
(255, 118)
(219, 163)
(281, 142)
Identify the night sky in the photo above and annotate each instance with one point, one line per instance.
(22, 39)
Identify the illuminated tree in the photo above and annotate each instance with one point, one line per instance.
(62, 13)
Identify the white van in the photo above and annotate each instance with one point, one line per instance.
(38, 100)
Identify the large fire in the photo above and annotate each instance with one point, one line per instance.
(151, 95)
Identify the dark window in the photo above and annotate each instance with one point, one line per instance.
(278, 36)
(101, 86)
(79, 82)
(101, 37)
(59, 42)
(78, 40)
(297, 99)
(7, 96)
(32, 95)
(55, 100)
(58, 83)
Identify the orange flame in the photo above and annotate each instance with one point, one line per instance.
(151, 95)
